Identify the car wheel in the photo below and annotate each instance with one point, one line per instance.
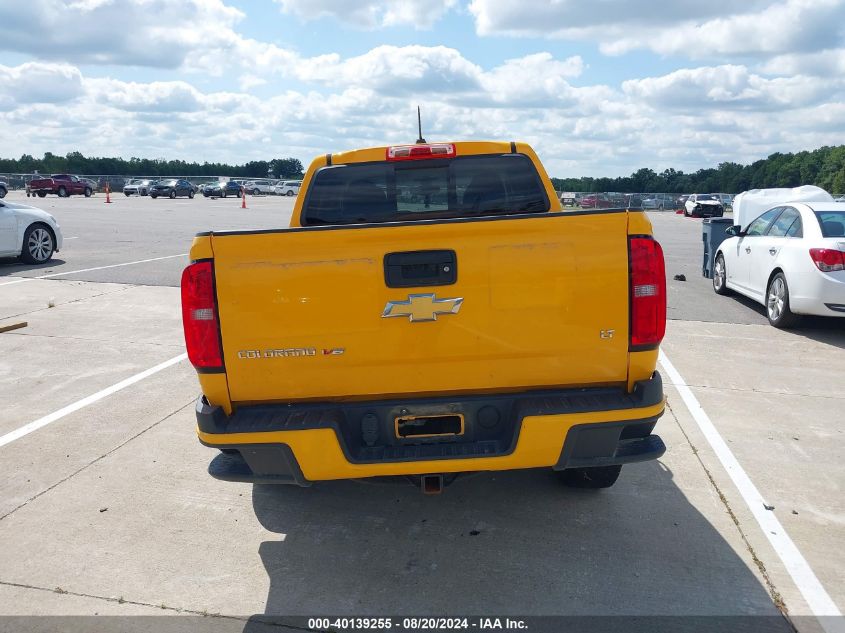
(143, 192)
(62, 192)
(38, 244)
(172, 194)
(777, 303)
(255, 192)
(223, 193)
(720, 276)
(594, 478)
(191, 194)
(153, 196)
(88, 192)
(240, 193)
(127, 194)
(3, 192)
(42, 194)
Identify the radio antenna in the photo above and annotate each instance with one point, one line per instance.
(420, 139)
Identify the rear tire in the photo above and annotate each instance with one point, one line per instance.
(591, 478)
(290, 192)
(153, 196)
(777, 303)
(39, 244)
(88, 192)
(720, 276)
(223, 193)
(3, 192)
(172, 194)
(62, 192)
(191, 194)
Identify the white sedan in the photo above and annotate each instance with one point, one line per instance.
(791, 259)
(29, 233)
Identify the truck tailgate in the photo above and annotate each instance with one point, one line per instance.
(544, 302)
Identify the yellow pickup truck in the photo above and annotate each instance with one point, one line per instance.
(430, 311)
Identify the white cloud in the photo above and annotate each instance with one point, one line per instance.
(826, 63)
(444, 74)
(726, 112)
(730, 87)
(36, 82)
(371, 14)
(699, 30)
(154, 33)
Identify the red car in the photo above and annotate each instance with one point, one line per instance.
(597, 201)
(63, 185)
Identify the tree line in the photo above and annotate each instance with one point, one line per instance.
(823, 167)
(76, 163)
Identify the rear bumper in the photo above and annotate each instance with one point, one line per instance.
(559, 429)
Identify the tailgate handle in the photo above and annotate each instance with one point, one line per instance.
(420, 268)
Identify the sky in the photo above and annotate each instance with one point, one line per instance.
(598, 88)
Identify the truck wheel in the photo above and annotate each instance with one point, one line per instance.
(42, 194)
(62, 192)
(38, 244)
(777, 303)
(87, 192)
(596, 477)
(720, 276)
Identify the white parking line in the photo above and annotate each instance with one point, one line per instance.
(86, 270)
(808, 584)
(26, 429)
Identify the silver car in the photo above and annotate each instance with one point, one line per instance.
(138, 187)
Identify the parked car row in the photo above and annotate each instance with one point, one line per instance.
(649, 201)
(64, 185)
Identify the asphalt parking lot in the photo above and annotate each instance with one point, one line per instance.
(108, 508)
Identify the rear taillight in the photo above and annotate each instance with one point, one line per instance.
(828, 260)
(417, 152)
(647, 293)
(199, 316)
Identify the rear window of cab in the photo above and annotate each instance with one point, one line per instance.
(464, 186)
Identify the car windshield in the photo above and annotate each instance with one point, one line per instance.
(832, 223)
(708, 196)
(425, 189)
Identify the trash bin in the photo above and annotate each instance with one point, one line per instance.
(713, 234)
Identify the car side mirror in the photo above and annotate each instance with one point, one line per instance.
(734, 231)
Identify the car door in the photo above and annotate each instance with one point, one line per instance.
(766, 252)
(747, 246)
(8, 231)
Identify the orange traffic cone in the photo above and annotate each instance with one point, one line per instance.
(243, 199)
(108, 197)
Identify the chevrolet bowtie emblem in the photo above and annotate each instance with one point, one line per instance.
(422, 307)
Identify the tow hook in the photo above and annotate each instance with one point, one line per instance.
(432, 484)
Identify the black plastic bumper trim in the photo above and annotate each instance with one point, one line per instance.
(270, 418)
